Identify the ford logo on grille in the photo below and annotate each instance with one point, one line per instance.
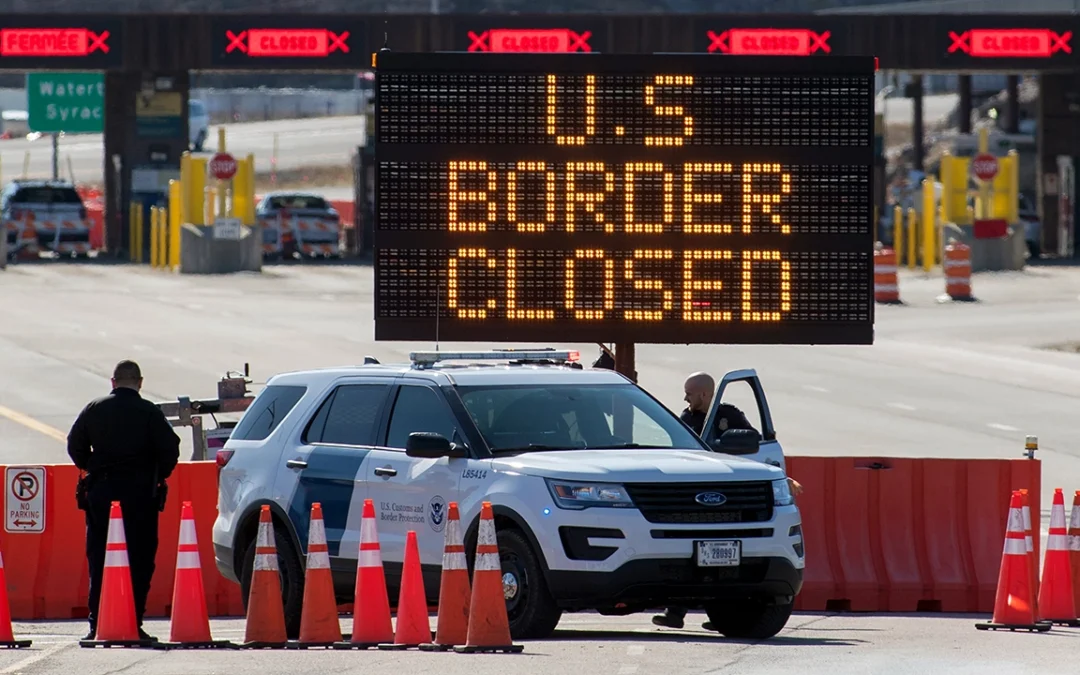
(710, 499)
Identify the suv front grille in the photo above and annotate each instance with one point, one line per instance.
(674, 503)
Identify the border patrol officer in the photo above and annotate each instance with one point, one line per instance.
(127, 448)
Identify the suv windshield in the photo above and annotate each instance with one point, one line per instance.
(296, 202)
(523, 418)
(46, 194)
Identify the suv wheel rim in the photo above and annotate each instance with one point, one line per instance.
(510, 586)
(515, 584)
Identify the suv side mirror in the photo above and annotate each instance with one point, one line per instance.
(430, 445)
(738, 442)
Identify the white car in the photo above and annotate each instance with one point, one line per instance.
(198, 124)
(603, 499)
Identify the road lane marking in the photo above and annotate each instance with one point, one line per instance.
(1001, 427)
(31, 423)
(31, 660)
(628, 669)
(813, 387)
(902, 406)
(635, 650)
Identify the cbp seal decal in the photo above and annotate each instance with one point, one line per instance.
(437, 513)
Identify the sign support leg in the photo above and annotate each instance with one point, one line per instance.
(624, 360)
(56, 156)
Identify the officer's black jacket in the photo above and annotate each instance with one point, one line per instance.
(124, 434)
(727, 417)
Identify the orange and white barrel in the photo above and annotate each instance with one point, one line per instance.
(886, 282)
(957, 266)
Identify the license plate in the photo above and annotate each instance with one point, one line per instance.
(719, 553)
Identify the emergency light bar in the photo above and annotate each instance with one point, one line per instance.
(431, 358)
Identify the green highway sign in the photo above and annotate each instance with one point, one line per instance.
(70, 102)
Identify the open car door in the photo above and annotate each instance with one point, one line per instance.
(760, 444)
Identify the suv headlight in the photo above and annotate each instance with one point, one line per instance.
(781, 492)
(569, 495)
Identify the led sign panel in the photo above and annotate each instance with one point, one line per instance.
(91, 44)
(1030, 43)
(276, 43)
(769, 42)
(660, 198)
(517, 40)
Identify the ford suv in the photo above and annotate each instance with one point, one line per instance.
(603, 499)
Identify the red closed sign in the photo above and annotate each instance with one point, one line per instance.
(223, 166)
(984, 166)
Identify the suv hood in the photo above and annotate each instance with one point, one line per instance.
(637, 466)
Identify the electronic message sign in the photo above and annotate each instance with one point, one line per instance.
(48, 43)
(672, 198)
(317, 42)
(523, 35)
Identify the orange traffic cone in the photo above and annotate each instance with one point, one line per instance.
(1029, 545)
(413, 625)
(1013, 609)
(1056, 602)
(1074, 547)
(371, 605)
(453, 624)
(189, 626)
(265, 627)
(116, 624)
(319, 624)
(489, 627)
(7, 635)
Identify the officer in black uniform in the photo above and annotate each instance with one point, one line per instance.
(127, 448)
(698, 394)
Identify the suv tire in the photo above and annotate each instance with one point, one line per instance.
(749, 619)
(532, 612)
(292, 580)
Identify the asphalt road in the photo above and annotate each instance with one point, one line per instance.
(811, 645)
(943, 380)
(326, 141)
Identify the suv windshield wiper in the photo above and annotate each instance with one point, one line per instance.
(534, 447)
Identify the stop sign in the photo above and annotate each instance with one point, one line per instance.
(223, 166)
(985, 166)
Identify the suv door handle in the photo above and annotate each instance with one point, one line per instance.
(296, 464)
(385, 471)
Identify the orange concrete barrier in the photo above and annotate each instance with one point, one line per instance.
(906, 535)
(47, 573)
(347, 211)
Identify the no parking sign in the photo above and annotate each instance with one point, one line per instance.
(24, 499)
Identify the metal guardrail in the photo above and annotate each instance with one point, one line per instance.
(233, 397)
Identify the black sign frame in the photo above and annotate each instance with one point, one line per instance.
(390, 245)
(227, 45)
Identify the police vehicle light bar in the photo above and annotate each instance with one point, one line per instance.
(428, 358)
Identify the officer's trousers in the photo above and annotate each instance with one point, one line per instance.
(140, 511)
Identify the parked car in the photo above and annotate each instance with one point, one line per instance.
(299, 224)
(44, 216)
(1029, 218)
(198, 124)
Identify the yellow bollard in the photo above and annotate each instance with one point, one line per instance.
(211, 201)
(222, 185)
(912, 239)
(929, 217)
(175, 200)
(196, 192)
(898, 233)
(929, 237)
(153, 237)
(135, 225)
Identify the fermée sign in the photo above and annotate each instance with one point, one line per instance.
(646, 198)
(38, 44)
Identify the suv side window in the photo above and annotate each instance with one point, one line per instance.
(416, 409)
(348, 416)
(267, 411)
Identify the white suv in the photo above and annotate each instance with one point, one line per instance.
(604, 500)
